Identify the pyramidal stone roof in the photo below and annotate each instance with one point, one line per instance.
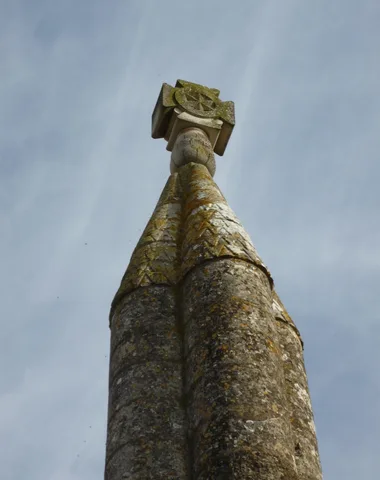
(192, 223)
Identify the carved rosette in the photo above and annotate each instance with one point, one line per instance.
(197, 102)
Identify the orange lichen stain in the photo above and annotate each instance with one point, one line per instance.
(193, 204)
(171, 332)
(272, 347)
(246, 308)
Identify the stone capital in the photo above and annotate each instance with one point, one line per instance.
(189, 105)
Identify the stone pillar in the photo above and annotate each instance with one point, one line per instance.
(207, 379)
(146, 415)
(297, 394)
(238, 415)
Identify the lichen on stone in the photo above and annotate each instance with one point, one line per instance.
(207, 378)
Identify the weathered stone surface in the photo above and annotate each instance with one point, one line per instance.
(153, 378)
(282, 315)
(207, 379)
(234, 371)
(154, 427)
(147, 460)
(132, 312)
(155, 258)
(156, 339)
(146, 415)
(199, 188)
(247, 462)
(298, 397)
(210, 227)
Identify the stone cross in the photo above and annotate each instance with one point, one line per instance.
(194, 121)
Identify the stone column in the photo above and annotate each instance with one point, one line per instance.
(297, 394)
(146, 415)
(238, 415)
(207, 379)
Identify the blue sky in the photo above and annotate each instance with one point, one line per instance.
(80, 176)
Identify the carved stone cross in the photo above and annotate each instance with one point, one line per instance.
(191, 105)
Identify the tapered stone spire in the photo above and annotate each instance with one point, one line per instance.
(207, 379)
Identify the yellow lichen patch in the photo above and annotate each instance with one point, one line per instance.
(155, 258)
(154, 263)
(210, 228)
(198, 188)
(164, 224)
(241, 304)
(171, 192)
(271, 345)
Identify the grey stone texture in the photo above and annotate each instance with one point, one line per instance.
(146, 436)
(238, 416)
(207, 378)
(298, 396)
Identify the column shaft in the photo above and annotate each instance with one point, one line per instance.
(237, 410)
(298, 396)
(146, 419)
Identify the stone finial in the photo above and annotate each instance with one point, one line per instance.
(189, 105)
